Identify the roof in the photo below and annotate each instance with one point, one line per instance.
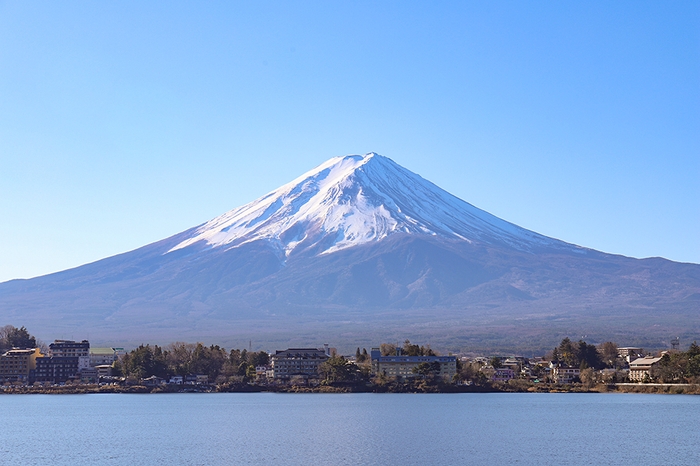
(644, 362)
(415, 359)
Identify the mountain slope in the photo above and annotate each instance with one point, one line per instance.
(353, 200)
(355, 251)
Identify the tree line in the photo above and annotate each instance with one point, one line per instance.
(190, 359)
(679, 367)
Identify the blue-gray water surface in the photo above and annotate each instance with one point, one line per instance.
(349, 429)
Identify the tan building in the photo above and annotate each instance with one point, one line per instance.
(16, 364)
(640, 368)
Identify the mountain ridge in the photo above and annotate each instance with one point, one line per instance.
(356, 250)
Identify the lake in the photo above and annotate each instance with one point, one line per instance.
(350, 429)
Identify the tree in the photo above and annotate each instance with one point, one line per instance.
(387, 349)
(588, 356)
(13, 337)
(337, 369)
(608, 353)
(427, 369)
(179, 357)
(567, 353)
(470, 372)
(260, 358)
(144, 362)
(588, 378)
(361, 357)
(496, 362)
(410, 350)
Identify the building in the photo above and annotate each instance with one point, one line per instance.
(402, 366)
(104, 370)
(69, 348)
(502, 374)
(177, 380)
(295, 362)
(89, 374)
(262, 371)
(564, 374)
(56, 369)
(640, 368)
(630, 353)
(153, 381)
(103, 356)
(16, 365)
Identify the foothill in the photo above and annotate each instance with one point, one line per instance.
(67, 366)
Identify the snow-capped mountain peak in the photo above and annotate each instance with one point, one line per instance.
(351, 200)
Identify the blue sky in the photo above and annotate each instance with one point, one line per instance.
(123, 123)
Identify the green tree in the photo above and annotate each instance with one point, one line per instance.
(588, 356)
(427, 369)
(261, 358)
(179, 358)
(337, 369)
(13, 337)
(567, 353)
(144, 362)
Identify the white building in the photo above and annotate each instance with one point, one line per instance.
(640, 368)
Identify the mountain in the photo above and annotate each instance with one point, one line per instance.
(357, 251)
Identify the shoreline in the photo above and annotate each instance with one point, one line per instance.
(659, 389)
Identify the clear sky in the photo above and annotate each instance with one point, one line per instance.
(122, 123)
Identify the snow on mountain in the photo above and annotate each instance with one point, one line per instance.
(352, 200)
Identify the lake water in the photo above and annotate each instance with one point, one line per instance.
(350, 429)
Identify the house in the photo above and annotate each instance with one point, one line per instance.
(402, 366)
(177, 380)
(153, 381)
(564, 374)
(104, 370)
(193, 379)
(640, 368)
(16, 365)
(298, 362)
(261, 371)
(503, 374)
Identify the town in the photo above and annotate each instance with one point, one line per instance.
(67, 366)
